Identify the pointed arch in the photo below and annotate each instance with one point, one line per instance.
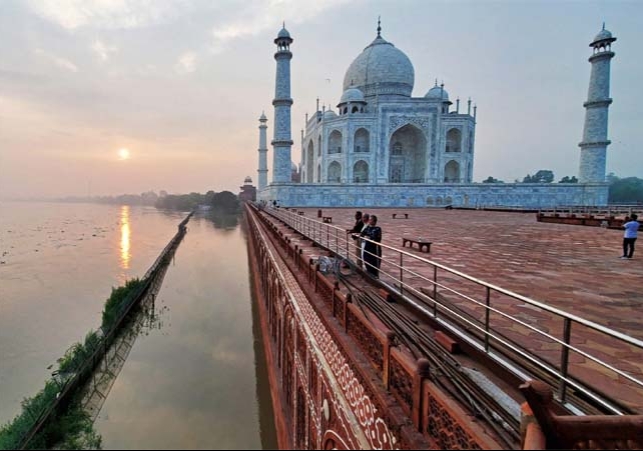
(319, 173)
(452, 172)
(310, 162)
(335, 142)
(360, 172)
(407, 155)
(362, 138)
(334, 173)
(454, 140)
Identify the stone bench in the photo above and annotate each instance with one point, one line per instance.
(422, 244)
(327, 219)
(394, 215)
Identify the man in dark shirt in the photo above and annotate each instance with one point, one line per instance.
(355, 231)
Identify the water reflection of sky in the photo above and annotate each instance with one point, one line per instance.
(194, 386)
(125, 237)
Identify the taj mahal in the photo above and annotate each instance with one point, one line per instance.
(384, 148)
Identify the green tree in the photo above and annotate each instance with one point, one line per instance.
(626, 190)
(568, 179)
(492, 180)
(225, 201)
(542, 176)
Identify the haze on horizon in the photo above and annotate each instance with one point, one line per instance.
(109, 97)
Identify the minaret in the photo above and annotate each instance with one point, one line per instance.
(282, 142)
(595, 142)
(263, 153)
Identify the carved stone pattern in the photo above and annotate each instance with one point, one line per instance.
(313, 412)
(445, 430)
(339, 311)
(396, 122)
(302, 347)
(401, 385)
(362, 407)
(366, 341)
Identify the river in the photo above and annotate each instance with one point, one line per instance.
(194, 380)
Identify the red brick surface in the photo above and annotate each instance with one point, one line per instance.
(573, 268)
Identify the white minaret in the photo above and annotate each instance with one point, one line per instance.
(282, 142)
(263, 153)
(594, 145)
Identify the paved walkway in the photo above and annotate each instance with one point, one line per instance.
(573, 268)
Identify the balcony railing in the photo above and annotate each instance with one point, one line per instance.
(482, 315)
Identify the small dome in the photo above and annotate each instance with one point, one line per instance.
(247, 181)
(352, 95)
(263, 117)
(330, 114)
(283, 33)
(294, 167)
(604, 34)
(437, 92)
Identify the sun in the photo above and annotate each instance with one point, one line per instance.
(123, 154)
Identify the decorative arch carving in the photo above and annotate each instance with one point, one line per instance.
(334, 174)
(360, 172)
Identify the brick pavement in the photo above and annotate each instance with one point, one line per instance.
(573, 268)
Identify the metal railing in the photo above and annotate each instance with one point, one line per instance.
(608, 211)
(480, 313)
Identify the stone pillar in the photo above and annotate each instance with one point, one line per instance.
(263, 154)
(595, 142)
(282, 142)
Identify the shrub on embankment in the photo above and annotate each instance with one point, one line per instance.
(74, 428)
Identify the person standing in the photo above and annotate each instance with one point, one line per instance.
(355, 231)
(630, 235)
(372, 248)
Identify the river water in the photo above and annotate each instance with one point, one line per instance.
(194, 380)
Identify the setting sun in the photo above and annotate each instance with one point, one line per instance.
(123, 154)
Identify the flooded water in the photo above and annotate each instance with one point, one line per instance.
(195, 380)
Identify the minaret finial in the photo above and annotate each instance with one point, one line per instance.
(603, 25)
(379, 27)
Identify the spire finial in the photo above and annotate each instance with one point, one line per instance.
(603, 25)
(284, 24)
(436, 82)
(379, 27)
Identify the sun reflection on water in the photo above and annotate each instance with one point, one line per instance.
(125, 237)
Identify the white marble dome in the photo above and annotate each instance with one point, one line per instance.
(247, 181)
(381, 69)
(330, 114)
(437, 92)
(352, 95)
(283, 33)
(602, 35)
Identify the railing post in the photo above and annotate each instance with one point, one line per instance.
(386, 364)
(435, 291)
(423, 371)
(564, 359)
(486, 320)
(401, 273)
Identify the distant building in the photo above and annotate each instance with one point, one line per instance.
(385, 148)
(248, 191)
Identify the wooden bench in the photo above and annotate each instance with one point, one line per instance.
(422, 244)
(327, 219)
(300, 213)
(394, 215)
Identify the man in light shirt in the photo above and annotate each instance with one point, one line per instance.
(631, 232)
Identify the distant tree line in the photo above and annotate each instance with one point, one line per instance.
(224, 201)
(626, 190)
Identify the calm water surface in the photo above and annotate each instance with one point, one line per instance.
(195, 380)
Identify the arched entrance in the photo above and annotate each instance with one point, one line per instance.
(407, 155)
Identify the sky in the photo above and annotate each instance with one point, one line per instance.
(181, 84)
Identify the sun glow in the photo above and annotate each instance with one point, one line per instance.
(123, 154)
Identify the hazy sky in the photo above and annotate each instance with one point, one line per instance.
(181, 84)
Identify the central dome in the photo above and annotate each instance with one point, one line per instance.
(381, 69)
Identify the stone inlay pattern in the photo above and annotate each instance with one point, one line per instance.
(361, 421)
